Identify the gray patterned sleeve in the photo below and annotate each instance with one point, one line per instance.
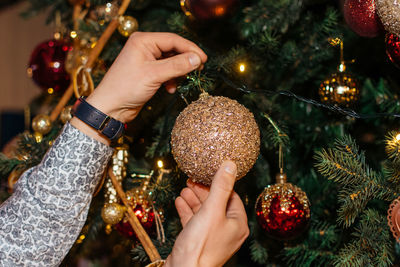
(42, 219)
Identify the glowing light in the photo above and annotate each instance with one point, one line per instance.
(242, 67)
(29, 72)
(73, 34)
(398, 137)
(50, 91)
(57, 35)
(160, 164)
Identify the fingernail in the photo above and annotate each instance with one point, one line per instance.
(194, 60)
(230, 167)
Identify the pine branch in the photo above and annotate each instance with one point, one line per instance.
(346, 165)
(371, 245)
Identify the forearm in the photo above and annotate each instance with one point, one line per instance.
(42, 219)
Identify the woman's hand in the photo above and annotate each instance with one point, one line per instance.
(214, 222)
(140, 69)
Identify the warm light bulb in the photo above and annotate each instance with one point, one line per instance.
(398, 137)
(160, 164)
(242, 67)
(73, 34)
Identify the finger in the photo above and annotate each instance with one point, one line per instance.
(170, 86)
(184, 211)
(167, 42)
(222, 186)
(173, 67)
(235, 208)
(191, 199)
(200, 190)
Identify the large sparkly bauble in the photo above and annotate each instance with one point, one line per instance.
(389, 13)
(211, 130)
(208, 9)
(41, 124)
(362, 18)
(46, 65)
(112, 213)
(127, 25)
(283, 211)
(393, 48)
(340, 89)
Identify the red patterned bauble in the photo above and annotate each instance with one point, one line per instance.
(46, 65)
(283, 211)
(146, 217)
(362, 18)
(208, 9)
(393, 48)
(143, 209)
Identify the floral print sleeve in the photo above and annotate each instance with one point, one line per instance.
(42, 219)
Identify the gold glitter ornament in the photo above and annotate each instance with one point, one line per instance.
(211, 130)
(112, 213)
(66, 115)
(41, 124)
(340, 88)
(389, 13)
(127, 25)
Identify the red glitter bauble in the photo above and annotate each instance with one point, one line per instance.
(393, 48)
(362, 18)
(283, 211)
(208, 9)
(146, 218)
(46, 66)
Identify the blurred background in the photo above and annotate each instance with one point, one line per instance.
(18, 36)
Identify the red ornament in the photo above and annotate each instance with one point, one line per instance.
(393, 218)
(393, 48)
(362, 18)
(208, 9)
(146, 217)
(283, 211)
(46, 65)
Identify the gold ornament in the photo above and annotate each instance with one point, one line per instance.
(340, 88)
(112, 213)
(389, 13)
(119, 161)
(41, 124)
(66, 115)
(127, 25)
(211, 130)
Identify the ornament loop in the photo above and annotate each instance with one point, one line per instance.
(85, 86)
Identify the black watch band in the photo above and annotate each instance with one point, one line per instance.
(93, 117)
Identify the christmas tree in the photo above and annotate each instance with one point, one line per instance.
(322, 81)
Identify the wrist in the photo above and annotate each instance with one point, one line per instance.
(111, 106)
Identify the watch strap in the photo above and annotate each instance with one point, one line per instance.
(106, 125)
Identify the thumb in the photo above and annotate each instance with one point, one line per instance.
(176, 66)
(222, 185)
